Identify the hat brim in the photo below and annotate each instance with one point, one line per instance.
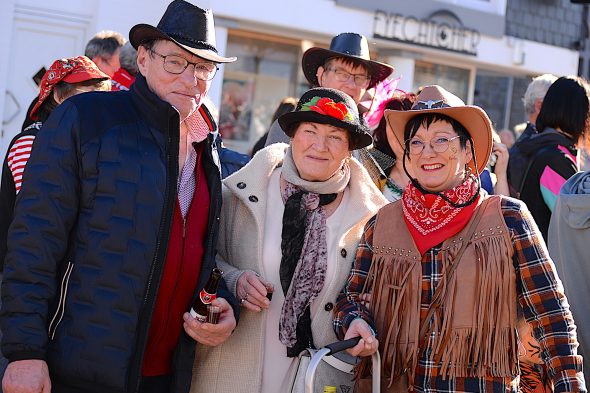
(143, 32)
(84, 76)
(473, 118)
(313, 58)
(360, 135)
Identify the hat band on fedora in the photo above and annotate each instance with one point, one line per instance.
(430, 104)
(192, 41)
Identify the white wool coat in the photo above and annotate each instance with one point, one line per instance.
(236, 365)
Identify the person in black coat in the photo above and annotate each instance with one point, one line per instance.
(115, 228)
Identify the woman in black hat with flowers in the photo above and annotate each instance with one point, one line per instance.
(290, 223)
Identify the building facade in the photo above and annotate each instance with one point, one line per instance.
(485, 51)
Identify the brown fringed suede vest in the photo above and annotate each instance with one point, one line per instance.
(476, 324)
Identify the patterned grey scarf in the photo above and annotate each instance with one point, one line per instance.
(304, 248)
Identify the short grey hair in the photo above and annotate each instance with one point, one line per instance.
(104, 44)
(128, 59)
(536, 91)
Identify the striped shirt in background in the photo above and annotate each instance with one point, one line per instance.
(18, 155)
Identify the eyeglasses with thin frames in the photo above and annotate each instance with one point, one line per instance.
(439, 144)
(175, 64)
(360, 80)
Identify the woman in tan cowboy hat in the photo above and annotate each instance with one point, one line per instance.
(447, 266)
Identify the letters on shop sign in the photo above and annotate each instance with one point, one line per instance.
(447, 34)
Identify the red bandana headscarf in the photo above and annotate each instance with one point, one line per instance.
(70, 70)
(431, 220)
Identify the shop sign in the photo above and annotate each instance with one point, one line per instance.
(442, 30)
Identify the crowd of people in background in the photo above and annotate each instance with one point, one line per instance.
(454, 250)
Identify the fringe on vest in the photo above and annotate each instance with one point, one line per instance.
(488, 346)
(395, 280)
(472, 334)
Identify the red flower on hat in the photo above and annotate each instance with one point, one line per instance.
(326, 106)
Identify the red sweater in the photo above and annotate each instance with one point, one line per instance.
(181, 273)
(121, 80)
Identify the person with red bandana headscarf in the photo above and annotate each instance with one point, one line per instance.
(65, 78)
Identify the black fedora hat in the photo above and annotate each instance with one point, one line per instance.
(350, 45)
(188, 26)
(328, 106)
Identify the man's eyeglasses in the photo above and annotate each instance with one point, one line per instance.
(175, 64)
(439, 144)
(360, 80)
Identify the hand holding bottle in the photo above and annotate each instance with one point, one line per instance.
(212, 334)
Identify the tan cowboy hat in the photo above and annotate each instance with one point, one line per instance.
(435, 99)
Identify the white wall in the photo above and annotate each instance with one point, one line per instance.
(314, 20)
(6, 21)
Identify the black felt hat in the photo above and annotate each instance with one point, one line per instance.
(349, 45)
(328, 106)
(188, 26)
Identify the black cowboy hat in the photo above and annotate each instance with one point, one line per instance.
(188, 26)
(348, 45)
(328, 106)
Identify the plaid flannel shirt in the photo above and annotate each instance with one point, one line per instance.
(540, 294)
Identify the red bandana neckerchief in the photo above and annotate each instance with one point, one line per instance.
(431, 220)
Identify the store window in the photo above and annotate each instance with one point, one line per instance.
(501, 97)
(454, 79)
(267, 71)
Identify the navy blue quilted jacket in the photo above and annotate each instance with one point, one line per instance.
(89, 240)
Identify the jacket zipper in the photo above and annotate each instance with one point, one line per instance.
(162, 231)
(61, 306)
(212, 209)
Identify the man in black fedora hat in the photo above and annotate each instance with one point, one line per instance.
(114, 229)
(345, 66)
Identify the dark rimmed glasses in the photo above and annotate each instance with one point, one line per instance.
(175, 64)
(439, 144)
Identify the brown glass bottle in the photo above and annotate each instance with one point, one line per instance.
(206, 296)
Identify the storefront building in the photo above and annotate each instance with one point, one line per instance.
(485, 51)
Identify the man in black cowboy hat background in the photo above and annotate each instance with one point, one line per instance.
(345, 66)
(115, 227)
